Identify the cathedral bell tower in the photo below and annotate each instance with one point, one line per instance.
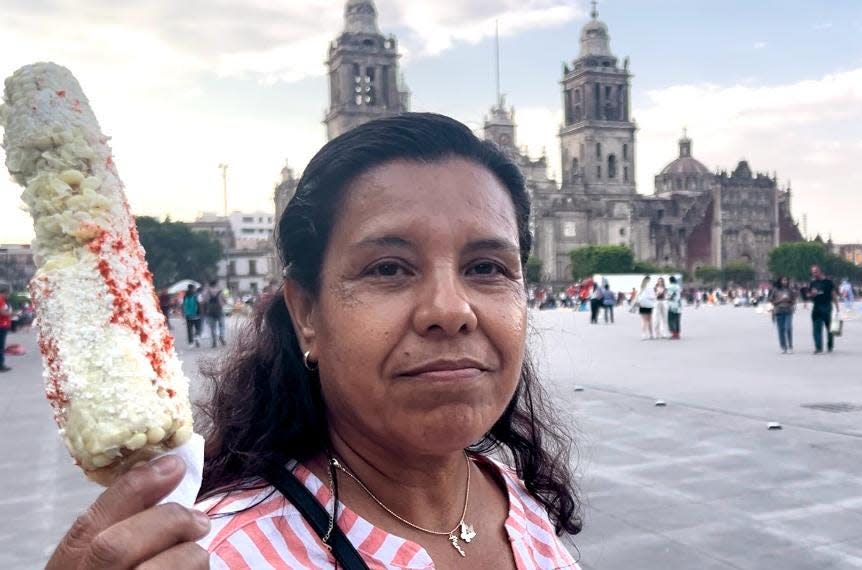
(364, 82)
(597, 138)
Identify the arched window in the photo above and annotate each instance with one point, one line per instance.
(625, 173)
(612, 166)
(598, 150)
(599, 172)
(625, 151)
(574, 171)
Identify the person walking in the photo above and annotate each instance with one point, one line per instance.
(5, 324)
(845, 291)
(213, 303)
(192, 314)
(646, 303)
(783, 300)
(660, 311)
(596, 297)
(674, 308)
(823, 296)
(609, 299)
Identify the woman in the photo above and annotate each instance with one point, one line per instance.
(645, 303)
(783, 300)
(393, 364)
(660, 310)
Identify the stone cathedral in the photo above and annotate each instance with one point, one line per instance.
(694, 217)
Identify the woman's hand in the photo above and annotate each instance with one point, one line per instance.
(124, 528)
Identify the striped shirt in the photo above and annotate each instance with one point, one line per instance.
(273, 533)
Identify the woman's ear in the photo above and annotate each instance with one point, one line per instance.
(301, 306)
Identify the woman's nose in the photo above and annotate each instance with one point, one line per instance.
(443, 305)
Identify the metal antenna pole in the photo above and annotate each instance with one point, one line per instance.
(497, 59)
(223, 167)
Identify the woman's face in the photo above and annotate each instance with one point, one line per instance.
(785, 282)
(419, 328)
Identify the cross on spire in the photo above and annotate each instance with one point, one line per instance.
(595, 11)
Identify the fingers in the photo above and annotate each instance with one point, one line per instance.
(144, 536)
(187, 556)
(135, 491)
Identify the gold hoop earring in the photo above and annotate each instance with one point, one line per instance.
(306, 363)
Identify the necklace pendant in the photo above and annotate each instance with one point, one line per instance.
(467, 532)
(454, 540)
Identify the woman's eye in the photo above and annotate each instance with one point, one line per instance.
(386, 269)
(486, 268)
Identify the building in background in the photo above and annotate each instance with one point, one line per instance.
(693, 217)
(364, 82)
(17, 266)
(852, 252)
(248, 264)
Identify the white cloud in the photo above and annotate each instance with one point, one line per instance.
(759, 45)
(807, 131)
(267, 41)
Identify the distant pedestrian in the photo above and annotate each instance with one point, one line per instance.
(5, 324)
(845, 291)
(645, 303)
(213, 303)
(674, 308)
(165, 304)
(596, 297)
(783, 299)
(609, 299)
(192, 314)
(659, 314)
(822, 293)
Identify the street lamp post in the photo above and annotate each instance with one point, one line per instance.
(223, 168)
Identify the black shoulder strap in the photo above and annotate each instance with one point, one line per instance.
(301, 498)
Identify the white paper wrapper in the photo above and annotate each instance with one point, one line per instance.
(192, 452)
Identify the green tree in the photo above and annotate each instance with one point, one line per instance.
(534, 269)
(593, 259)
(176, 252)
(739, 272)
(795, 259)
(708, 274)
(645, 267)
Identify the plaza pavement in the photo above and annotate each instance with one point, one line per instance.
(699, 484)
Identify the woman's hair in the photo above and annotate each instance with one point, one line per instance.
(779, 283)
(266, 407)
(645, 282)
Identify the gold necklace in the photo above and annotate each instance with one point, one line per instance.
(466, 533)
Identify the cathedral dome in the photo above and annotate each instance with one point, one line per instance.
(685, 164)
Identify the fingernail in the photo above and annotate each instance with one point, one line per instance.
(167, 465)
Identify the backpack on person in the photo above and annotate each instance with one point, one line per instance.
(213, 307)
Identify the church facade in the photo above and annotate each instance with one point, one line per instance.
(693, 217)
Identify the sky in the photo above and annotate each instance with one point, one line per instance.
(184, 86)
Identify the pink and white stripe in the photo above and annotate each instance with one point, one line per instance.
(273, 533)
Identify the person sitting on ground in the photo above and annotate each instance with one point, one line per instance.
(382, 409)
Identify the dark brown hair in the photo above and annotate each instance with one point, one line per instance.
(266, 407)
